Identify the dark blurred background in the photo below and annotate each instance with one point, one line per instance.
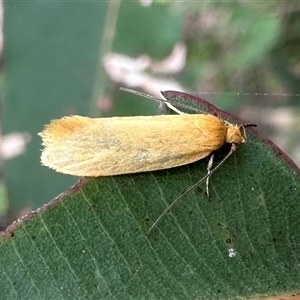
(61, 58)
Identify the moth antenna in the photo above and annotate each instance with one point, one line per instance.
(170, 105)
(161, 100)
(243, 126)
(232, 149)
(142, 94)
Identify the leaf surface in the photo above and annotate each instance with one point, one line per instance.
(91, 241)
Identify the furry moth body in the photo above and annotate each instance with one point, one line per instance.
(83, 146)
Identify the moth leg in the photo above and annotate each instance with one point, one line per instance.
(209, 166)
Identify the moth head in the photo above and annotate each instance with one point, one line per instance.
(236, 134)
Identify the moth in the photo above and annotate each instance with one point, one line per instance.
(84, 146)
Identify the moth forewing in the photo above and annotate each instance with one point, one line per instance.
(83, 146)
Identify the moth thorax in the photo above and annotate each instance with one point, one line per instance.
(234, 135)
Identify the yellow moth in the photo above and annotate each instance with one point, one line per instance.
(84, 146)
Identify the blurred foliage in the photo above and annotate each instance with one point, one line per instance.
(52, 52)
(152, 30)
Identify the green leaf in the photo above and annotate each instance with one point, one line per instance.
(91, 241)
